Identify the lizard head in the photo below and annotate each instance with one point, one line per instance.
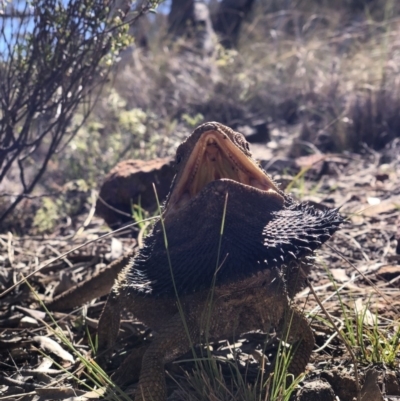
(215, 152)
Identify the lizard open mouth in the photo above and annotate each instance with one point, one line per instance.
(216, 157)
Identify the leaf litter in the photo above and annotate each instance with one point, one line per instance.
(361, 263)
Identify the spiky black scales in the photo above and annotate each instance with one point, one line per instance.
(298, 231)
(258, 233)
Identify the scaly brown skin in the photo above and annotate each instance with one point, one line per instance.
(249, 261)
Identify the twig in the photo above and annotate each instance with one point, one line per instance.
(113, 208)
(10, 248)
(90, 215)
(70, 251)
(327, 342)
(7, 381)
(66, 260)
(365, 278)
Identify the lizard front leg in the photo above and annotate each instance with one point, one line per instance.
(109, 325)
(171, 342)
(110, 318)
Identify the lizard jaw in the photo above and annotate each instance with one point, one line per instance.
(213, 158)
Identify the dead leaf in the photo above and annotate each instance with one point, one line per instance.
(36, 314)
(373, 201)
(7, 344)
(357, 219)
(340, 275)
(49, 345)
(388, 205)
(389, 272)
(368, 317)
(27, 322)
(117, 249)
(96, 393)
(45, 365)
(91, 395)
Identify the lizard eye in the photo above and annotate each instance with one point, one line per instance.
(178, 159)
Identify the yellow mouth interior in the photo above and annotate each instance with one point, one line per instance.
(215, 157)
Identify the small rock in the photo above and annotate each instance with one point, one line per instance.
(370, 390)
(392, 384)
(316, 391)
(342, 384)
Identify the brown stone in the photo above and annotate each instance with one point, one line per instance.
(392, 384)
(130, 182)
(370, 390)
(342, 383)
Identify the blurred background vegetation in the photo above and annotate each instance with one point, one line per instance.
(315, 72)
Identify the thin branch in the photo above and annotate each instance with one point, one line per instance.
(50, 65)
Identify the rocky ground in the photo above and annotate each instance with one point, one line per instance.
(356, 278)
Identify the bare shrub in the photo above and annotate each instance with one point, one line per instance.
(54, 58)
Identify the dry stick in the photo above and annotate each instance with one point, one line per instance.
(341, 337)
(90, 215)
(327, 342)
(364, 277)
(113, 208)
(72, 250)
(10, 248)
